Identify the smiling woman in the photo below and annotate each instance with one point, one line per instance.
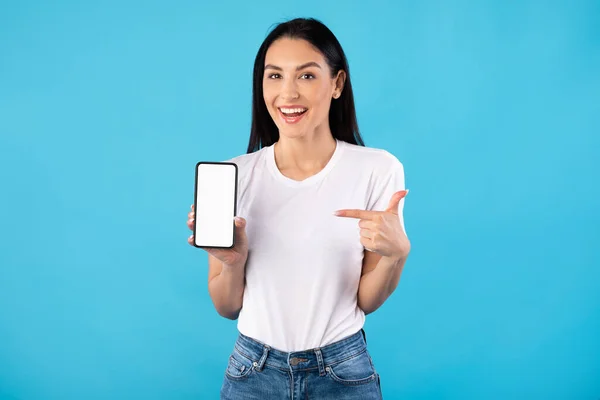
(302, 59)
(322, 221)
(287, 79)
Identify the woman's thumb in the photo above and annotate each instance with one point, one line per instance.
(240, 229)
(240, 222)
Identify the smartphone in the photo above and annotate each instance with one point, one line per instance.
(215, 201)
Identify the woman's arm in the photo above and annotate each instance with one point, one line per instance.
(226, 287)
(379, 278)
(386, 250)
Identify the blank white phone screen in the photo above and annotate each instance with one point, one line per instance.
(215, 204)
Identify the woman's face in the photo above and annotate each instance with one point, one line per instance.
(298, 88)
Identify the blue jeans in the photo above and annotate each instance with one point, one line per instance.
(338, 371)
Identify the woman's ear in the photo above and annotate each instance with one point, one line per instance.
(340, 80)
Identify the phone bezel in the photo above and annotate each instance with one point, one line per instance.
(234, 202)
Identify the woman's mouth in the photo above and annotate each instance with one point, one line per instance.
(292, 115)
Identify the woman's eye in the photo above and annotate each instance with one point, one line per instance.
(274, 76)
(307, 76)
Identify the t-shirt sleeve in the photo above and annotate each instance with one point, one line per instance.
(389, 182)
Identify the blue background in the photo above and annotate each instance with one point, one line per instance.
(105, 107)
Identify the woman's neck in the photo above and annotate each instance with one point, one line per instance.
(304, 156)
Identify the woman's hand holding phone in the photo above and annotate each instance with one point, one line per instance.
(235, 256)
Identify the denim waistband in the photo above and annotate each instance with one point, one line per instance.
(262, 354)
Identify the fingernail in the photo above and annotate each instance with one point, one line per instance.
(238, 220)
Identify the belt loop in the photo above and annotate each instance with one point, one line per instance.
(261, 362)
(320, 362)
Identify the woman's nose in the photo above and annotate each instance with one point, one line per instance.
(289, 90)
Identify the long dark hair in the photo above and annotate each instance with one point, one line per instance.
(342, 114)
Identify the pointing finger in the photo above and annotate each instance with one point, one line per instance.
(361, 214)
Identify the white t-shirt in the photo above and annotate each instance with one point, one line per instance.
(304, 263)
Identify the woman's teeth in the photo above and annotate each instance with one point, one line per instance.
(292, 115)
(293, 111)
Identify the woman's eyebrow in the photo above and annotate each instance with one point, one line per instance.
(306, 65)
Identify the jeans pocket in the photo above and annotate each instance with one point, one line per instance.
(357, 370)
(239, 367)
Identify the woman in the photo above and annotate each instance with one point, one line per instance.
(322, 243)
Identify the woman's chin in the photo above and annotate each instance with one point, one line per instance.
(291, 133)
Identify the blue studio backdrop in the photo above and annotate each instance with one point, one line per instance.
(493, 108)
